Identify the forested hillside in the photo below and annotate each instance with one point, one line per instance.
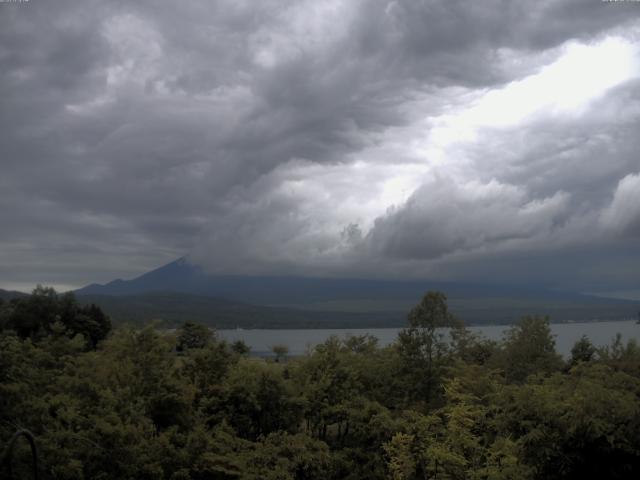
(170, 309)
(139, 404)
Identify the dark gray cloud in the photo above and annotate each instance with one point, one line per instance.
(333, 137)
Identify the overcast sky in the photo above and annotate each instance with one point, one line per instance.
(488, 141)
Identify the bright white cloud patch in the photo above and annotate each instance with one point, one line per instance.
(306, 28)
(581, 74)
(623, 214)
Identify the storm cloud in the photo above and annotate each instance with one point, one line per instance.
(423, 139)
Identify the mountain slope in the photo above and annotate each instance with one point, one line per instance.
(181, 276)
(190, 292)
(7, 295)
(171, 309)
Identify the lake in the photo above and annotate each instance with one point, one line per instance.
(301, 341)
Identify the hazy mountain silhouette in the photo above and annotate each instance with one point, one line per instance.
(184, 277)
(181, 287)
(11, 294)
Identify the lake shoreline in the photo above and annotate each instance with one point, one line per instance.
(299, 341)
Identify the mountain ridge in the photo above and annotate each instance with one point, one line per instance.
(183, 289)
(184, 277)
(7, 295)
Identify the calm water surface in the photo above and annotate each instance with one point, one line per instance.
(301, 341)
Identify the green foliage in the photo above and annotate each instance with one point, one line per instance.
(622, 357)
(582, 351)
(34, 316)
(424, 348)
(193, 335)
(281, 456)
(583, 424)
(440, 403)
(529, 348)
(240, 347)
(255, 400)
(281, 352)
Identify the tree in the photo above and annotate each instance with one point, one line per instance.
(280, 351)
(582, 351)
(622, 357)
(240, 347)
(529, 348)
(143, 363)
(363, 344)
(193, 335)
(280, 456)
(423, 346)
(206, 369)
(34, 316)
(90, 322)
(328, 385)
(581, 424)
(255, 400)
(472, 347)
(401, 458)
